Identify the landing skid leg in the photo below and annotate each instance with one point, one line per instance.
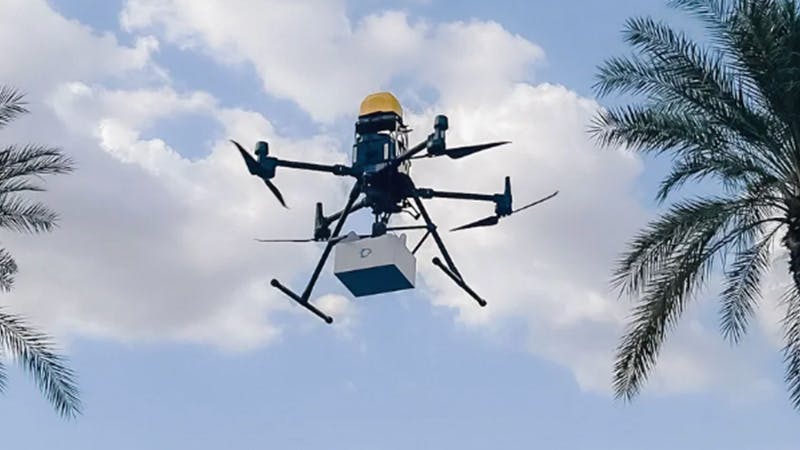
(459, 281)
(450, 269)
(305, 304)
(303, 299)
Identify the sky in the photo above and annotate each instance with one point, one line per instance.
(161, 299)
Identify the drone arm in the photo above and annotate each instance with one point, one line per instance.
(337, 169)
(430, 193)
(413, 151)
(434, 144)
(336, 216)
(407, 228)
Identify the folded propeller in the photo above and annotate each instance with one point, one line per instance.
(261, 169)
(494, 219)
(334, 240)
(460, 152)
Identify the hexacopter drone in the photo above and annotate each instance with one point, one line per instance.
(380, 261)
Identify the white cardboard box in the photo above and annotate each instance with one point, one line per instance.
(374, 265)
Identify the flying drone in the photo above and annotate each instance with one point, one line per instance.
(380, 261)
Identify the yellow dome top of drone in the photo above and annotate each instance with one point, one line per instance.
(380, 102)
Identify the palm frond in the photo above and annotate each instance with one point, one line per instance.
(11, 105)
(791, 349)
(663, 301)
(651, 250)
(20, 215)
(727, 111)
(700, 147)
(743, 287)
(33, 159)
(36, 354)
(735, 173)
(764, 41)
(674, 73)
(8, 268)
(20, 166)
(714, 13)
(654, 129)
(666, 265)
(3, 377)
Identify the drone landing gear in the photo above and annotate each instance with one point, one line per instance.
(459, 281)
(303, 299)
(303, 303)
(450, 268)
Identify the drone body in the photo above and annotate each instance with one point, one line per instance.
(381, 168)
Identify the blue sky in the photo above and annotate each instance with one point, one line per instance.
(160, 297)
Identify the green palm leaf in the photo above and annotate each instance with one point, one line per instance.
(35, 353)
(743, 288)
(21, 170)
(728, 112)
(791, 349)
(11, 105)
(8, 268)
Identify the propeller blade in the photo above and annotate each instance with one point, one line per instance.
(335, 240)
(541, 200)
(285, 240)
(460, 152)
(252, 165)
(485, 222)
(255, 169)
(275, 191)
(493, 220)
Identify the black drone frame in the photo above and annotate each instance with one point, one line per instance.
(434, 145)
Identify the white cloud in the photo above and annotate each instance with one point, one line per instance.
(154, 245)
(41, 48)
(311, 53)
(548, 266)
(164, 244)
(342, 309)
(140, 108)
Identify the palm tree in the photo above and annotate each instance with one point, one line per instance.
(727, 111)
(20, 167)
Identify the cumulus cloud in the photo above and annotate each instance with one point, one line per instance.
(42, 48)
(546, 267)
(154, 245)
(312, 54)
